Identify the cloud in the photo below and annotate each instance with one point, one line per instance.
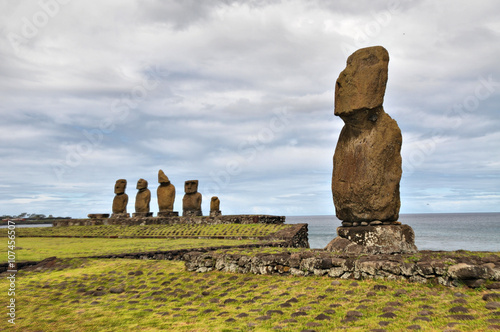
(239, 94)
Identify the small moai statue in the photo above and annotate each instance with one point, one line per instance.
(166, 196)
(215, 207)
(121, 199)
(191, 203)
(142, 199)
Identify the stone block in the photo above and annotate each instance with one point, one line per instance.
(387, 239)
(98, 215)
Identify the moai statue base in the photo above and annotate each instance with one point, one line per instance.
(98, 215)
(120, 215)
(142, 214)
(166, 214)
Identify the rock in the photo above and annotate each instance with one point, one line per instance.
(322, 317)
(191, 203)
(116, 290)
(388, 239)
(492, 305)
(143, 197)
(491, 297)
(165, 193)
(121, 199)
(464, 271)
(367, 159)
(215, 207)
(388, 315)
(493, 285)
(458, 309)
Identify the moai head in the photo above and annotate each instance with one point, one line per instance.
(162, 178)
(142, 184)
(191, 186)
(361, 85)
(120, 186)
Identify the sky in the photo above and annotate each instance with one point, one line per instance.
(239, 95)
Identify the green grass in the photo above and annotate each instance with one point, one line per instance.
(162, 295)
(175, 230)
(39, 248)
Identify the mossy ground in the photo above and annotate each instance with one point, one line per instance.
(82, 294)
(123, 295)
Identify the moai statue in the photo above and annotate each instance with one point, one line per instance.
(191, 203)
(142, 199)
(367, 159)
(166, 195)
(215, 207)
(121, 199)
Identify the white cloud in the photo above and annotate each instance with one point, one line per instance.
(122, 88)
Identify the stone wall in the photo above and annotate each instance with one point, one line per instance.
(447, 269)
(223, 219)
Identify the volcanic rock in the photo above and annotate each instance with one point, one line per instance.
(367, 160)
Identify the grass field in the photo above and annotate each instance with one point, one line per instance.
(175, 230)
(39, 248)
(74, 293)
(124, 295)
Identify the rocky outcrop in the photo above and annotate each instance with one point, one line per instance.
(367, 160)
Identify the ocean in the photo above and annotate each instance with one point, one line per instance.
(433, 231)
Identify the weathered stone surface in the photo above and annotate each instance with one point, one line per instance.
(465, 272)
(142, 214)
(173, 218)
(143, 197)
(98, 215)
(121, 199)
(165, 193)
(387, 239)
(164, 214)
(215, 207)
(367, 160)
(191, 203)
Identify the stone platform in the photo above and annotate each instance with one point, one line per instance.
(224, 219)
(380, 239)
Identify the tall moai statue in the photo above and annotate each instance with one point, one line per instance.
(215, 207)
(191, 203)
(121, 199)
(142, 199)
(367, 161)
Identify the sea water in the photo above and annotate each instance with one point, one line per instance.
(433, 231)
